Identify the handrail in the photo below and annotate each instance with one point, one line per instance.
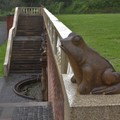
(12, 33)
(56, 31)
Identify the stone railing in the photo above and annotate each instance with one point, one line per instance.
(30, 10)
(76, 106)
(12, 33)
(56, 31)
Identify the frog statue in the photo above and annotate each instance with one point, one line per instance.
(92, 72)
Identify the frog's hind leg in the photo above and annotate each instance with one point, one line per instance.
(107, 90)
(110, 77)
(111, 82)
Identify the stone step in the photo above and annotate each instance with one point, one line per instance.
(25, 71)
(27, 38)
(30, 25)
(26, 54)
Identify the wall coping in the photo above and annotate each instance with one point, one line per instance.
(79, 104)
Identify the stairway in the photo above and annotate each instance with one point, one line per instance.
(29, 25)
(26, 49)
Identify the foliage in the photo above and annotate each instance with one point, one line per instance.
(93, 6)
(104, 6)
(100, 31)
(96, 6)
(56, 8)
(9, 4)
(67, 6)
(31, 3)
(2, 56)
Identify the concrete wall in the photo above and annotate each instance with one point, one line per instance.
(55, 95)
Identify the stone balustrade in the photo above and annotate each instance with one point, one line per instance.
(12, 33)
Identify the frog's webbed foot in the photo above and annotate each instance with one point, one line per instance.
(73, 80)
(107, 90)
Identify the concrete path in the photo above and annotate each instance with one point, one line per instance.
(3, 32)
(14, 107)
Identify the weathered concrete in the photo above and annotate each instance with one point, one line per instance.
(3, 32)
(7, 94)
(31, 111)
(91, 107)
(14, 107)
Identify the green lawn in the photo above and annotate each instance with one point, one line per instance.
(2, 56)
(100, 31)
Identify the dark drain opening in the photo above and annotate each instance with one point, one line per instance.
(31, 88)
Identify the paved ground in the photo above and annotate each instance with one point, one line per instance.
(26, 111)
(3, 32)
(7, 94)
(14, 107)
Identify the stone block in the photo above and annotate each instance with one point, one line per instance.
(90, 107)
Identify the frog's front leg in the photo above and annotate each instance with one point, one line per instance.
(86, 84)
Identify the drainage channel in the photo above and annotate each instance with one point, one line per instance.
(30, 88)
(35, 87)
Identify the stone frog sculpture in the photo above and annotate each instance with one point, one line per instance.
(92, 72)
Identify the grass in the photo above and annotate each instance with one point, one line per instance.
(2, 57)
(3, 13)
(100, 31)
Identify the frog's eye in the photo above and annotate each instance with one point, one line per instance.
(76, 40)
